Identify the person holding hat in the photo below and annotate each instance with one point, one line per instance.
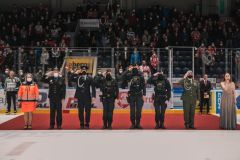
(136, 94)
(110, 92)
(190, 95)
(85, 94)
(56, 95)
(162, 94)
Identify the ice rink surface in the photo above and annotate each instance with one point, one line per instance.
(119, 145)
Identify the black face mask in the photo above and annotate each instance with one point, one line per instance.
(160, 77)
(134, 71)
(108, 77)
(84, 73)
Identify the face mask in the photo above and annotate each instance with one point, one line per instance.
(6, 72)
(108, 77)
(84, 72)
(120, 71)
(55, 75)
(134, 71)
(160, 77)
(99, 73)
(29, 79)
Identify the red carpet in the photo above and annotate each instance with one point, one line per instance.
(121, 121)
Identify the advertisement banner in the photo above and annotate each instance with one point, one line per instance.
(120, 103)
(218, 95)
(76, 63)
(217, 100)
(89, 23)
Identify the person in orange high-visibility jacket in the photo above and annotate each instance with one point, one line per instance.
(28, 96)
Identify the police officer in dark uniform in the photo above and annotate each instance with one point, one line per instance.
(56, 95)
(99, 78)
(84, 95)
(136, 94)
(162, 89)
(110, 92)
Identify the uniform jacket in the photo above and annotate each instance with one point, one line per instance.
(190, 90)
(113, 93)
(85, 87)
(28, 92)
(57, 88)
(142, 84)
(153, 80)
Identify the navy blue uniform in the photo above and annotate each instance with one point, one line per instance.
(84, 93)
(57, 92)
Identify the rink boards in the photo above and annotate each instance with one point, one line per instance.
(121, 103)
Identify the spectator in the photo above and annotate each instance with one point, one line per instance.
(154, 60)
(229, 38)
(145, 69)
(146, 38)
(204, 36)
(44, 59)
(201, 50)
(195, 37)
(135, 57)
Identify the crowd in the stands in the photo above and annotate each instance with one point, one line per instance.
(33, 32)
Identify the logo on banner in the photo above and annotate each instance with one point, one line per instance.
(238, 102)
(218, 101)
(76, 63)
(122, 100)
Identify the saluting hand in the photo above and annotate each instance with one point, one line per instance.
(93, 100)
(144, 98)
(63, 101)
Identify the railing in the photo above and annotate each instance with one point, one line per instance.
(174, 60)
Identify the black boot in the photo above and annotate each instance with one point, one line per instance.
(51, 127)
(105, 126)
(138, 126)
(162, 126)
(110, 125)
(132, 126)
(87, 126)
(82, 126)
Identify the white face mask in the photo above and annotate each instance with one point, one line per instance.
(29, 79)
(55, 75)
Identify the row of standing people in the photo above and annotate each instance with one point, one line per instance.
(86, 93)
